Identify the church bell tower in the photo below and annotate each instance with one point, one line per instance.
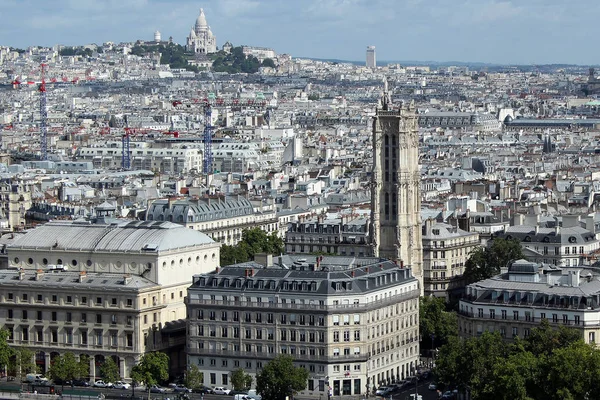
(395, 186)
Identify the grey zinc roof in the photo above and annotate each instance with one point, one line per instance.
(121, 237)
(199, 209)
(68, 280)
(353, 279)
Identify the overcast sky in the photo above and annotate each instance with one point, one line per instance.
(508, 32)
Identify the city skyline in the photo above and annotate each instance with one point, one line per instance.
(488, 31)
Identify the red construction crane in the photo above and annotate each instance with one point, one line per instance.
(17, 82)
(208, 104)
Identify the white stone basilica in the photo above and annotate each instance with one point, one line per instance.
(201, 39)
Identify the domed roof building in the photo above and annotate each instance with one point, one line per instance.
(201, 39)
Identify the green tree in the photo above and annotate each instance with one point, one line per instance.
(268, 62)
(567, 372)
(109, 370)
(5, 351)
(515, 376)
(152, 369)
(544, 339)
(279, 378)
(435, 320)
(63, 368)
(22, 362)
(253, 241)
(194, 377)
(483, 263)
(241, 380)
(83, 366)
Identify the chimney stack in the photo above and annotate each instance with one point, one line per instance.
(82, 276)
(21, 274)
(127, 279)
(39, 274)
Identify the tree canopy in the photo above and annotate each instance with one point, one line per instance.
(236, 61)
(280, 378)
(193, 377)
(173, 54)
(75, 51)
(152, 369)
(485, 262)
(109, 370)
(253, 241)
(435, 320)
(241, 380)
(548, 364)
(65, 367)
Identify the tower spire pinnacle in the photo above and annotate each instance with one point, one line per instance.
(386, 100)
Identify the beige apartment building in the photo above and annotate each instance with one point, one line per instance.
(351, 322)
(515, 301)
(101, 287)
(446, 249)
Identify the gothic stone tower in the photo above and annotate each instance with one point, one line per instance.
(395, 186)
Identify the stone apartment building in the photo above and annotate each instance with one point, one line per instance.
(351, 322)
(515, 301)
(101, 288)
(446, 249)
(347, 235)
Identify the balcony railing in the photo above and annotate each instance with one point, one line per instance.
(374, 305)
(265, 355)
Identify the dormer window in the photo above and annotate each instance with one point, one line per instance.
(226, 283)
(215, 282)
(238, 283)
(202, 282)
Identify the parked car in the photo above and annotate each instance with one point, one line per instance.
(221, 390)
(432, 386)
(252, 394)
(122, 385)
(203, 390)
(380, 390)
(102, 384)
(235, 392)
(240, 396)
(181, 389)
(157, 389)
(80, 383)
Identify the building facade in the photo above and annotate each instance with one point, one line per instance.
(563, 244)
(174, 160)
(516, 301)
(201, 39)
(446, 249)
(221, 218)
(347, 235)
(371, 60)
(100, 288)
(352, 323)
(395, 185)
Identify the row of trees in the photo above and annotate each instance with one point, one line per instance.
(253, 241)
(550, 364)
(173, 54)
(236, 61)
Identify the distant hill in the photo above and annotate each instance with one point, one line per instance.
(470, 64)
